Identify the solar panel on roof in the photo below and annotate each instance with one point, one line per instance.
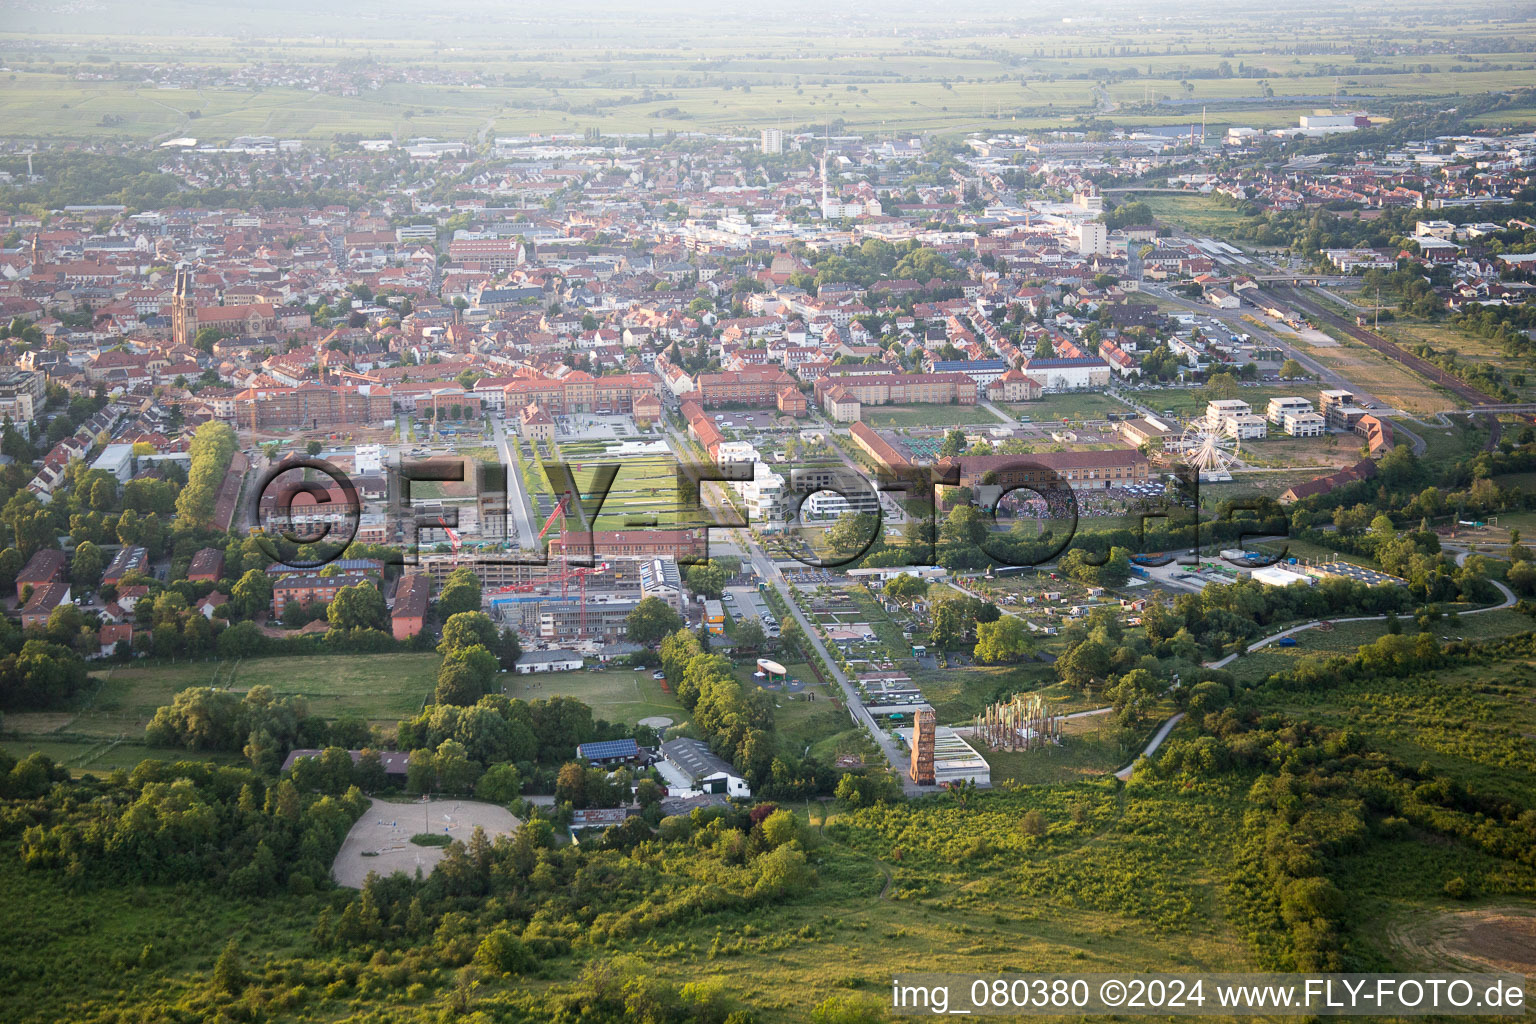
(608, 748)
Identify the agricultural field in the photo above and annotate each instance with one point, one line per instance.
(614, 694)
(880, 85)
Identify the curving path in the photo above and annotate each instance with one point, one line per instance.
(1508, 602)
(1157, 741)
(1167, 727)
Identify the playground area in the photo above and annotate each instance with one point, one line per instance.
(381, 839)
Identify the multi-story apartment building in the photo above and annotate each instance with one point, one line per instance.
(753, 385)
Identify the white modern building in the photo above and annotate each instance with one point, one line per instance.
(954, 760)
(547, 661)
(764, 498)
(1279, 407)
(1304, 424)
(1247, 427)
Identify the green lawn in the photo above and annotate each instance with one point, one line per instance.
(908, 417)
(105, 728)
(1089, 749)
(614, 694)
(1073, 407)
(1199, 214)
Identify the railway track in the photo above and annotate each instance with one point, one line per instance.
(1421, 366)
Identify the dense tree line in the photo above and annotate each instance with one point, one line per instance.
(737, 725)
(182, 822)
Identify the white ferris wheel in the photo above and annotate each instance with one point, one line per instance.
(1211, 451)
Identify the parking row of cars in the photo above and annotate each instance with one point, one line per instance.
(770, 622)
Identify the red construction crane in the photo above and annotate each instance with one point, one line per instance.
(564, 578)
(559, 509)
(453, 537)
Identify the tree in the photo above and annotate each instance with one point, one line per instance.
(851, 535)
(954, 443)
(456, 773)
(466, 629)
(211, 449)
(509, 647)
(652, 620)
(460, 593)
(87, 564)
(420, 774)
(499, 785)
(228, 972)
(1221, 385)
(948, 623)
(464, 675)
(502, 953)
(1291, 369)
(571, 785)
(750, 635)
(1004, 640)
(1083, 665)
(906, 587)
(358, 607)
(707, 579)
(252, 593)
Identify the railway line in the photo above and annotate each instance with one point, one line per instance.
(1421, 366)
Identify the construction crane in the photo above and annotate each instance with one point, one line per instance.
(559, 510)
(564, 578)
(453, 537)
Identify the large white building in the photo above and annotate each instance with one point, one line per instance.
(1304, 424)
(1279, 407)
(1219, 412)
(1247, 427)
(1092, 238)
(764, 497)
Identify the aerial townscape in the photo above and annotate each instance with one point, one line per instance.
(668, 514)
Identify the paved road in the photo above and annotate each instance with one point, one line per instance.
(518, 508)
(1009, 419)
(768, 570)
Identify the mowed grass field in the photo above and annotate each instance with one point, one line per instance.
(614, 694)
(105, 728)
(917, 417)
(1195, 213)
(1069, 407)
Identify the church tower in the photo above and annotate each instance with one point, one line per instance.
(183, 312)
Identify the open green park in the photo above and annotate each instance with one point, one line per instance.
(105, 727)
